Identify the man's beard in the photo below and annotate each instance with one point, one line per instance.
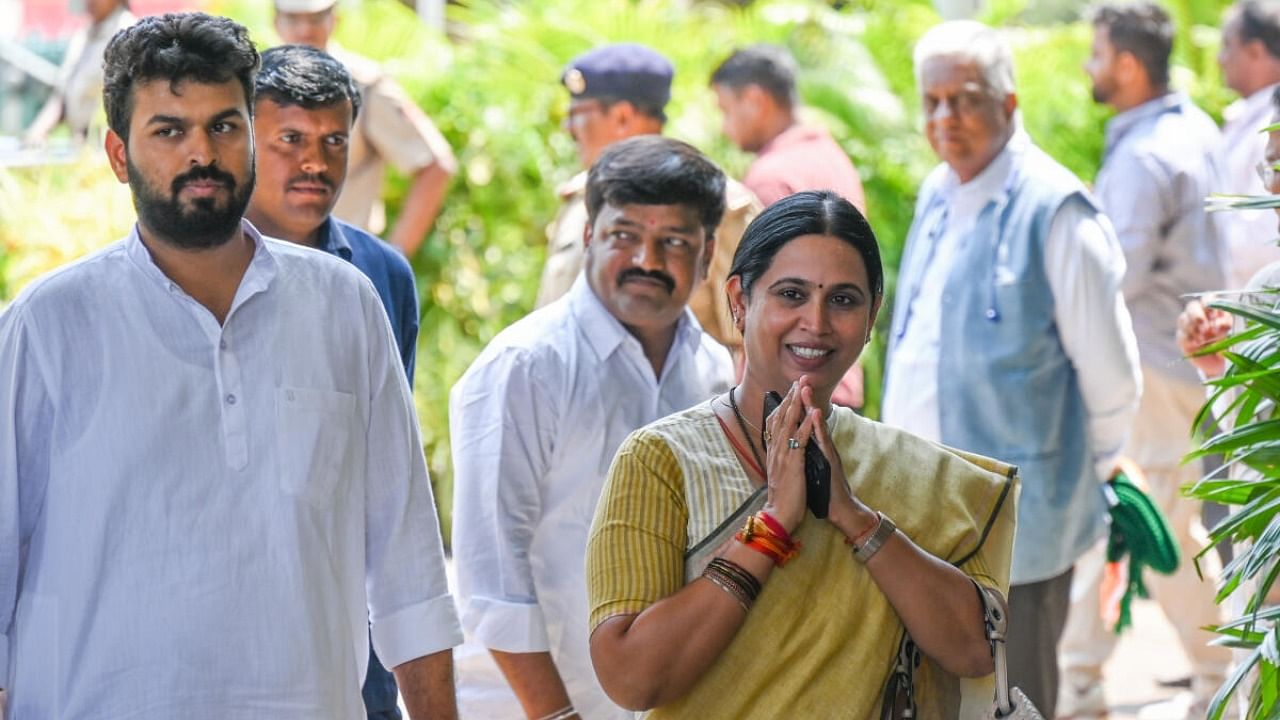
(201, 226)
(1101, 94)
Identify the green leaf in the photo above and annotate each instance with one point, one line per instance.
(1218, 705)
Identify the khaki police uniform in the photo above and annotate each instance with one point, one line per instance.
(390, 126)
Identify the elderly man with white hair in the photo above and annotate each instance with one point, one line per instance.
(1013, 270)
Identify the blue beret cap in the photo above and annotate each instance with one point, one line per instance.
(626, 71)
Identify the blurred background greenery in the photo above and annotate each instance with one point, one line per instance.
(492, 88)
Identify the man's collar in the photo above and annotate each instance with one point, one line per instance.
(992, 180)
(1259, 103)
(605, 333)
(331, 238)
(261, 270)
(1123, 122)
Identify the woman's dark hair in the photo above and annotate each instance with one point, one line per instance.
(656, 170)
(174, 47)
(819, 212)
(305, 77)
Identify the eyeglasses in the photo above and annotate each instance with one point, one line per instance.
(578, 112)
(968, 100)
(1268, 170)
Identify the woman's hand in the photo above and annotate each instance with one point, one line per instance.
(785, 465)
(846, 512)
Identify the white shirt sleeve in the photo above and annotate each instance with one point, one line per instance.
(26, 426)
(1085, 267)
(410, 608)
(501, 419)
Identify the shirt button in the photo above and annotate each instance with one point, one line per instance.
(222, 344)
(231, 399)
(289, 395)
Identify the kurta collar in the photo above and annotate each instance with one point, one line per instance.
(257, 277)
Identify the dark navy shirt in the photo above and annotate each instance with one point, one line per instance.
(391, 275)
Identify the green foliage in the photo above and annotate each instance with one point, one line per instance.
(492, 88)
(53, 214)
(1251, 443)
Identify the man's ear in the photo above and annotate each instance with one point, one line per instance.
(117, 154)
(708, 252)
(1129, 68)
(586, 232)
(1256, 50)
(756, 98)
(622, 117)
(1010, 104)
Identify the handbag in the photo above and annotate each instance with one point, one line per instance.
(1009, 703)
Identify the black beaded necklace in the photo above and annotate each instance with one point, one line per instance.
(742, 424)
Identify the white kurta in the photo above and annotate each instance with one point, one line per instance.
(201, 520)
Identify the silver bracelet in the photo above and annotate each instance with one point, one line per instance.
(883, 530)
(563, 713)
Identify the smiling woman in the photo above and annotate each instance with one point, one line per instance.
(687, 618)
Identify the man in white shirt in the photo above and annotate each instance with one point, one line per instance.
(1158, 165)
(536, 419)
(1250, 61)
(1010, 337)
(211, 478)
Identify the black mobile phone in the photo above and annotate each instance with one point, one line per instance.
(817, 471)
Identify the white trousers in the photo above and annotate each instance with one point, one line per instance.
(1160, 437)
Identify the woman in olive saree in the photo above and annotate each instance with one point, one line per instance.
(716, 592)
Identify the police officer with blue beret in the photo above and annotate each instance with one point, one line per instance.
(616, 92)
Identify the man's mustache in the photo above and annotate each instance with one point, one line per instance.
(313, 179)
(203, 172)
(640, 273)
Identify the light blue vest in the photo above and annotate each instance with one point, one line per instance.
(1006, 388)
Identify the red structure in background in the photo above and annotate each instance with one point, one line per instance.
(54, 19)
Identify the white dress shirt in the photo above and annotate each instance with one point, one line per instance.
(534, 424)
(201, 520)
(1250, 234)
(1084, 265)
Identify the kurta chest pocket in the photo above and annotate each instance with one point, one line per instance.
(314, 432)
